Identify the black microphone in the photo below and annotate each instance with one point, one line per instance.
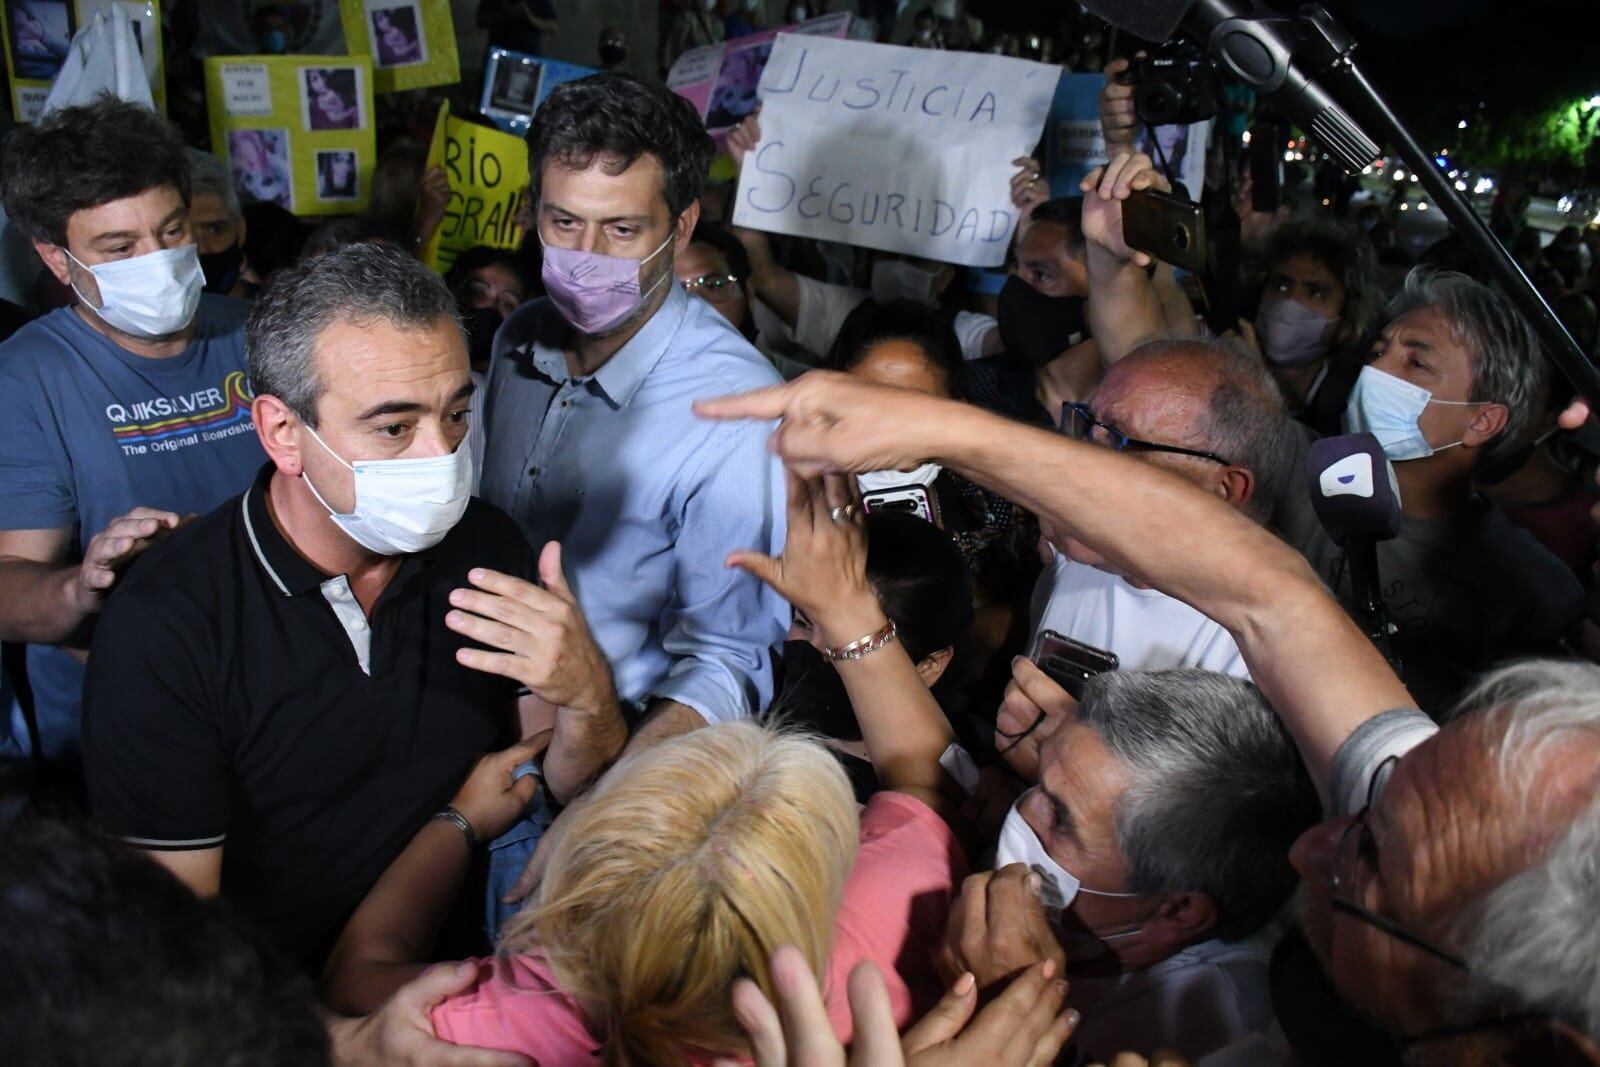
(1357, 500)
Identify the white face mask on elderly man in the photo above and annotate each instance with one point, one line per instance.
(403, 505)
(150, 296)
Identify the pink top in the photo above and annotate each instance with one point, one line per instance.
(893, 913)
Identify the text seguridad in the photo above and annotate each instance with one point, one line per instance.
(898, 149)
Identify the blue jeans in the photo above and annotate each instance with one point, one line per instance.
(508, 856)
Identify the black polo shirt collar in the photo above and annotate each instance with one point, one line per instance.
(291, 572)
(294, 575)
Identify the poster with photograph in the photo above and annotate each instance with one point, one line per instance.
(296, 131)
(488, 173)
(412, 42)
(38, 33)
(337, 176)
(1179, 153)
(515, 84)
(720, 80)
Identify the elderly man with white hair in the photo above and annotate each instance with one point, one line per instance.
(1452, 890)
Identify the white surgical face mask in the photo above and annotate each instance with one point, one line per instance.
(895, 279)
(403, 505)
(876, 481)
(1059, 887)
(1389, 408)
(150, 296)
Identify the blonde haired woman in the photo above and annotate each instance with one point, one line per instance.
(690, 863)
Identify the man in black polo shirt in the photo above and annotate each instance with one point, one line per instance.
(279, 696)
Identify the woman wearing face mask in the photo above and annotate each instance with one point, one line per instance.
(1320, 303)
(896, 344)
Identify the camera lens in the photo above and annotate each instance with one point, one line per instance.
(1157, 103)
(1180, 238)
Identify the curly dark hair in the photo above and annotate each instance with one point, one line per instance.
(620, 117)
(105, 957)
(82, 157)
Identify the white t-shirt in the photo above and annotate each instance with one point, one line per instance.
(824, 307)
(1147, 629)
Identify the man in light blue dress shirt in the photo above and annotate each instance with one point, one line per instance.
(590, 439)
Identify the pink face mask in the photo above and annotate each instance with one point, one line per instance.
(593, 291)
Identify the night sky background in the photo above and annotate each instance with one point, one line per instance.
(1507, 65)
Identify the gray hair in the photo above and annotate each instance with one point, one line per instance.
(1245, 421)
(1535, 938)
(1218, 790)
(1507, 361)
(208, 174)
(360, 283)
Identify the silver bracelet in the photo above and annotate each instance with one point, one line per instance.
(863, 646)
(459, 821)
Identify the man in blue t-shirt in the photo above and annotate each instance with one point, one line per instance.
(120, 414)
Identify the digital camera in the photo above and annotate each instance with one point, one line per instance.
(1175, 84)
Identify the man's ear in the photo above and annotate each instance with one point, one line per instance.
(55, 260)
(1236, 485)
(1491, 419)
(275, 426)
(1182, 919)
(686, 224)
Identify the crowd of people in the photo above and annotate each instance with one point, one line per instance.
(669, 643)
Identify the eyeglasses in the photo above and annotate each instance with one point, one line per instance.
(1356, 846)
(1079, 423)
(714, 287)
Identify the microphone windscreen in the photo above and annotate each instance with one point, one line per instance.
(1150, 20)
(1353, 488)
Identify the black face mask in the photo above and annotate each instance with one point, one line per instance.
(612, 53)
(1036, 328)
(813, 695)
(222, 268)
(481, 324)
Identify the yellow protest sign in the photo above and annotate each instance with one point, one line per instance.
(488, 172)
(37, 34)
(412, 42)
(297, 130)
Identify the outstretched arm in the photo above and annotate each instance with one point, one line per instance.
(1308, 658)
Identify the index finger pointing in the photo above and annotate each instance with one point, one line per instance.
(768, 403)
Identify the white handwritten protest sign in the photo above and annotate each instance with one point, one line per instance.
(898, 149)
